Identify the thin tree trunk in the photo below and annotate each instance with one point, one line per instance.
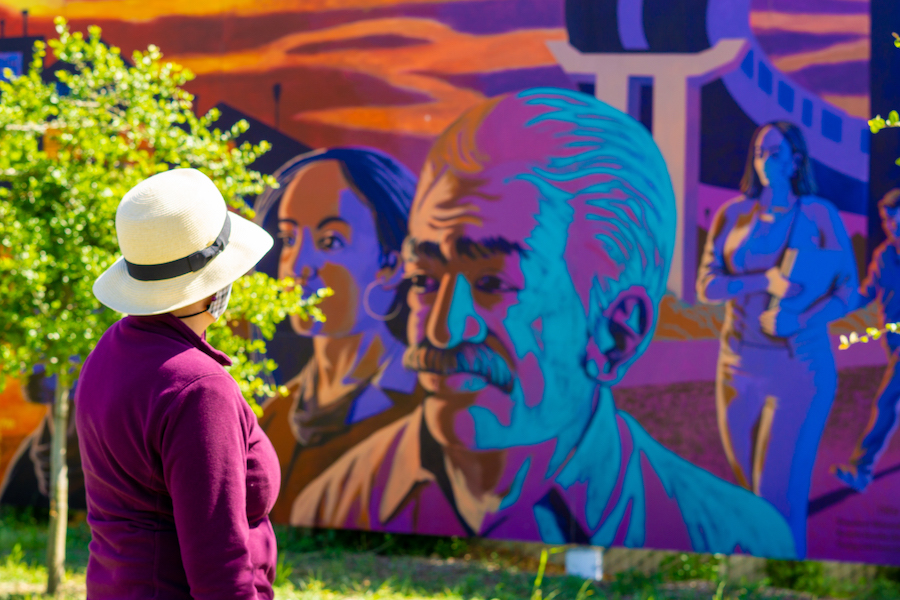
(59, 489)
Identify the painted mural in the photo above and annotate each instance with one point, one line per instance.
(591, 259)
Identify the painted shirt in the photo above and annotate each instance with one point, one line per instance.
(619, 487)
(745, 241)
(882, 283)
(308, 442)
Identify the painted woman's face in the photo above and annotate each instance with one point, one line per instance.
(329, 240)
(773, 159)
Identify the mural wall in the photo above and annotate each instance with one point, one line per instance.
(591, 259)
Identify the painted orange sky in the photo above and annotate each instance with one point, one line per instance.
(371, 71)
(350, 71)
(141, 10)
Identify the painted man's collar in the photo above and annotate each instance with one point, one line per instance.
(406, 470)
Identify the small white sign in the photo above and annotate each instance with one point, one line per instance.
(586, 563)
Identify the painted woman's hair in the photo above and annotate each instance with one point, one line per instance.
(803, 181)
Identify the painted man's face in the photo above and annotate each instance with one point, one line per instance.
(496, 327)
(329, 240)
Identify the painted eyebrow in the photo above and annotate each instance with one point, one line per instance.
(468, 247)
(328, 220)
(487, 247)
(321, 224)
(428, 249)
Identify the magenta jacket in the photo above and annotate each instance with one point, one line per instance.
(180, 478)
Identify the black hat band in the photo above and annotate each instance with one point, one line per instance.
(182, 266)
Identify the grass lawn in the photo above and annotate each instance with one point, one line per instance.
(343, 565)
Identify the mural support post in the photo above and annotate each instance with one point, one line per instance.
(677, 79)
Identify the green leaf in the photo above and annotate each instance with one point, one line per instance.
(877, 124)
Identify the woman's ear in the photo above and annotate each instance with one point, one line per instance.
(619, 335)
(391, 273)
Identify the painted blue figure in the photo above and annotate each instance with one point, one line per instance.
(781, 261)
(882, 284)
(539, 246)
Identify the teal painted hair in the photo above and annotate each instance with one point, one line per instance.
(607, 162)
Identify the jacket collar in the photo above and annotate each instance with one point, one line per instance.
(173, 327)
(406, 471)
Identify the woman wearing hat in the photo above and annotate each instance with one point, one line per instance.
(179, 477)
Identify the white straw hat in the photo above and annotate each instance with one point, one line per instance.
(179, 244)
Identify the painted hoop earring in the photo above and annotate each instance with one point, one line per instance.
(383, 318)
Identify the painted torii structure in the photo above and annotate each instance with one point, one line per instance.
(677, 79)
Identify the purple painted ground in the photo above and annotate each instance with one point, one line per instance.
(843, 525)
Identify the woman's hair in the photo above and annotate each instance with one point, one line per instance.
(381, 183)
(803, 182)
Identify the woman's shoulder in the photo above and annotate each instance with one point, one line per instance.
(823, 214)
(192, 363)
(816, 205)
(193, 373)
(731, 209)
(738, 203)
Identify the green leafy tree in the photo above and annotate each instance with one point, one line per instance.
(69, 151)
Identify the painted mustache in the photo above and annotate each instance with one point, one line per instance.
(477, 359)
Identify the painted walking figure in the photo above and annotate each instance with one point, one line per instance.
(780, 260)
(882, 284)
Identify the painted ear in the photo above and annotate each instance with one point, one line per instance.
(391, 273)
(619, 335)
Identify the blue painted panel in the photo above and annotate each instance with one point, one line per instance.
(807, 113)
(747, 65)
(786, 96)
(832, 126)
(765, 78)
